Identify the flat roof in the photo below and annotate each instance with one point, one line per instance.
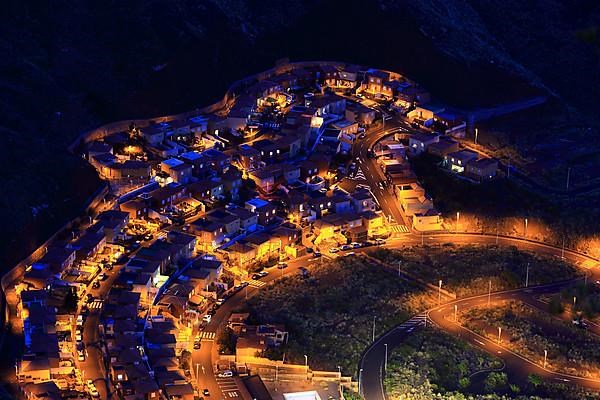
(172, 162)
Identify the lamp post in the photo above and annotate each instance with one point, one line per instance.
(476, 134)
(386, 355)
(455, 313)
(457, 219)
(197, 373)
(499, 333)
(360, 381)
(340, 380)
(440, 292)
(568, 177)
(527, 276)
(306, 360)
(373, 328)
(545, 358)
(489, 292)
(525, 230)
(399, 265)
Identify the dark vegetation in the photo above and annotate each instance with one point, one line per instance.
(68, 66)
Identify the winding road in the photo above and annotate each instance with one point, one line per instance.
(443, 316)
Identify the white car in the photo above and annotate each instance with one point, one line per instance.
(207, 318)
(78, 336)
(355, 245)
(334, 250)
(80, 355)
(225, 374)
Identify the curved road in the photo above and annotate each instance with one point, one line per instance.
(373, 358)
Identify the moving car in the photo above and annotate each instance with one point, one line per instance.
(80, 355)
(206, 392)
(207, 318)
(197, 343)
(96, 285)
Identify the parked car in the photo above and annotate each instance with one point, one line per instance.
(197, 344)
(334, 250)
(80, 355)
(379, 242)
(346, 247)
(225, 374)
(206, 392)
(317, 254)
(281, 265)
(362, 136)
(96, 285)
(89, 298)
(263, 273)
(103, 276)
(207, 318)
(355, 245)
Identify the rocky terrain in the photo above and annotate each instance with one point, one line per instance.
(68, 66)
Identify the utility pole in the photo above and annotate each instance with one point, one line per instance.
(499, 333)
(527, 276)
(399, 265)
(562, 252)
(568, 177)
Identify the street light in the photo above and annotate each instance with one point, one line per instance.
(545, 358)
(360, 381)
(386, 353)
(305, 360)
(476, 134)
(457, 218)
(440, 292)
(527, 276)
(489, 292)
(525, 231)
(455, 313)
(499, 333)
(197, 372)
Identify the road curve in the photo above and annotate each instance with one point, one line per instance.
(372, 361)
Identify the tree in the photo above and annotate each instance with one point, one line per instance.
(495, 380)
(71, 300)
(534, 379)
(464, 382)
(555, 306)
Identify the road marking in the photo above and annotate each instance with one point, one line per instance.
(207, 336)
(255, 283)
(96, 304)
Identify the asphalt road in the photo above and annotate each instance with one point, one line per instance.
(93, 367)
(373, 174)
(206, 356)
(373, 358)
